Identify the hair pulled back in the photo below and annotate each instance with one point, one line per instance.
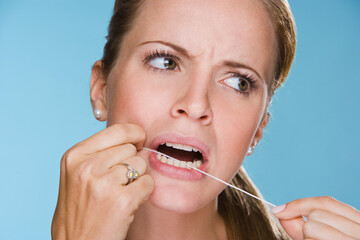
(245, 218)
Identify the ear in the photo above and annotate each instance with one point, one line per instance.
(262, 126)
(259, 132)
(98, 90)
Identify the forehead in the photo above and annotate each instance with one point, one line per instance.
(235, 29)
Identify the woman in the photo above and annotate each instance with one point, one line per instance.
(192, 79)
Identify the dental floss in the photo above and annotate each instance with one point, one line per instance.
(228, 184)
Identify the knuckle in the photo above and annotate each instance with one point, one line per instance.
(315, 214)
(130, 148)
(119, 127)
(296, 202)
(141, 163)
(96, 189)
(100, 190)
(84, 172)
(122, 175)
(326, 200)
(64, 163)
(307, 228)
(142, 134)
(68, 158)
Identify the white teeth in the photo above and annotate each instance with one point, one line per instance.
(183, 164)
(177, 146)
(197, 163)
(189, 164)
(182, 147)
(170, 161)
(187, 148)
(178, 163)
(195, 149)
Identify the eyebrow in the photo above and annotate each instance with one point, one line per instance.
(184, 52)
(241, 65)
(177, 48)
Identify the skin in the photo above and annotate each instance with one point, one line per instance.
(194, 89)
(139, 103)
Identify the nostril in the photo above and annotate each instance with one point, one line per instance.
(181, 111)
(203, 117)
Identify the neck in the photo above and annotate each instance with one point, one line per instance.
(151, 222)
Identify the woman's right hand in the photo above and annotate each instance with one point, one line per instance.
(94, 201)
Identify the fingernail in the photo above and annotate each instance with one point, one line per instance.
(278, 208)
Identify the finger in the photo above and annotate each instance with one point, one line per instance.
(303, 207)
(118, 173)
(137, 163)
(114, 135)
(104, 160)
(142, 188)
(336, 221)
(294, 227)
(318, 230)
(130, 197)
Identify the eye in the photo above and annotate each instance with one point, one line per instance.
(165, 63)
(237, 83)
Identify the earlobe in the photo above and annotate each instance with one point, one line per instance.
(259, 133)
(98, 92)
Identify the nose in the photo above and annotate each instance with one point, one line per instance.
(194, 102)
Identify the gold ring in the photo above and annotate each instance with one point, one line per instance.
(132, 174)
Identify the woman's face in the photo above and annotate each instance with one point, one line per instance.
(194, 73)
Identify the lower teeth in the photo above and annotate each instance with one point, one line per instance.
(182, 164)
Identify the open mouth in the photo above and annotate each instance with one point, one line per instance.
(186, 155)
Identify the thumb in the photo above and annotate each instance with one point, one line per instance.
(292, 226)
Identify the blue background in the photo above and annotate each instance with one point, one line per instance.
(310, 148)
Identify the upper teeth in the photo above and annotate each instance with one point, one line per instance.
(182, 147)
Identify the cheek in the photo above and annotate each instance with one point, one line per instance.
(239, 130)
(236, 126)
(136, 100)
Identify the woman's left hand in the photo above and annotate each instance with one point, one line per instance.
(327, 219)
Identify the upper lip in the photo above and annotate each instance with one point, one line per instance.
(176, 138)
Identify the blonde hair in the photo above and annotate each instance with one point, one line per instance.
(283, 20)
(248, 218)
(245, 218)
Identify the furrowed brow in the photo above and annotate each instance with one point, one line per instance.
(177, 48)
(184, 52)
(234, 64)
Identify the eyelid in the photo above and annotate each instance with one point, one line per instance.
(250, 78)
(245, 76)
(153, 54)
(160, 53)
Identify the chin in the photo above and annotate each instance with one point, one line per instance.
(177, 199)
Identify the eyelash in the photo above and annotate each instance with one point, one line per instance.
(163, 53)
(249, 78)
(159, 54)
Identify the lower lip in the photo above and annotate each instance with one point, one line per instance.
(176, 172)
